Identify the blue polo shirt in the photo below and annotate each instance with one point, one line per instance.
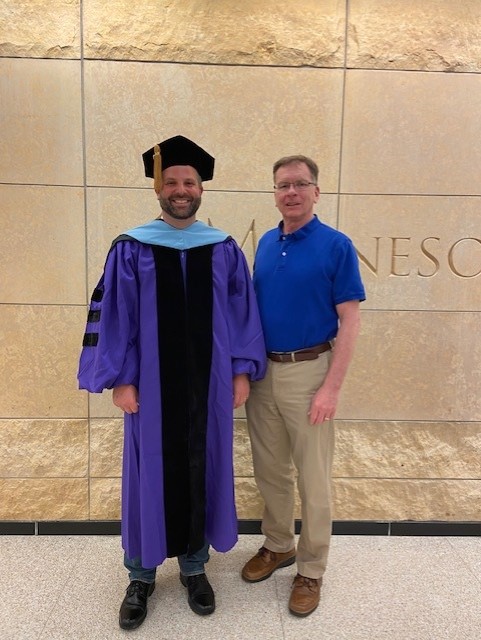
(299, 279)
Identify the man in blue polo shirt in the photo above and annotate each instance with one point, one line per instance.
(308, 286)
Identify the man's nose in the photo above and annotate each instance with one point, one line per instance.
(181, 188)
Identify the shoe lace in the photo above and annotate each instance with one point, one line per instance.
(134, 587)
(302, 581)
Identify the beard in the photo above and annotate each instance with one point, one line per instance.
(180, 213)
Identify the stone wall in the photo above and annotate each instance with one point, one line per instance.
(385, 95)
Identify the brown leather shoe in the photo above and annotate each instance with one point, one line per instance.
(305, 595)
(265, 562)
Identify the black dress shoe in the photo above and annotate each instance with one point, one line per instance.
(134, 606)
(201, 595)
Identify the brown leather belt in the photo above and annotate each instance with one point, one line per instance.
(302, 354)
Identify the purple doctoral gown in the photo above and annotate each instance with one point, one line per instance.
(177, 324)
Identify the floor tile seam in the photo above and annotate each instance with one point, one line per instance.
(279, 610)
(69, 578)
(465, 562)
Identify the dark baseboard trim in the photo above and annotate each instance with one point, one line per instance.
(249, 527)
(339, 527)
(360, 528)
(17, 528)
(83, 528)
(412, 528)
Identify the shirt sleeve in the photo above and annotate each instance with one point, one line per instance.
(246, 339)
(109, 356)
(347, 283)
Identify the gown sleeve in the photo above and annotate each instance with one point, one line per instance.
(248, 352)
(109, 356)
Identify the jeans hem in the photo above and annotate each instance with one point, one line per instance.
(189, 575)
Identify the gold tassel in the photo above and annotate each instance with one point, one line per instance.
(157, 169)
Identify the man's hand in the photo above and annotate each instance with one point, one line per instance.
(323, 406)
(324, 402)
(126, 398)
(241, 389)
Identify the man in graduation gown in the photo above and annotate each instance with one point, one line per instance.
(173, 328)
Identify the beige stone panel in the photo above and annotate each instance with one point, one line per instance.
(242, 451)
(106, 443)
(41, 122)
(246, 117)
(42, 252)
(432, 35)
(416, 252)
(249, 503)
(101, 405)
(39, 29)
(39, 350)
(407, 450)
(105, 499)
(245, 216)
(415, 366)
(411, 133)
(388, 499)
(272, 32)
(111, 212)
(43, 448)
(44, 499)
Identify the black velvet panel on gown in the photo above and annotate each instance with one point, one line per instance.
(184, 299)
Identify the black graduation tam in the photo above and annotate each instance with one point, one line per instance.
(179, 151)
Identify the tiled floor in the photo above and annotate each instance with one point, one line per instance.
(376, 587)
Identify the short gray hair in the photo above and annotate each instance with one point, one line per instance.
(298, 159)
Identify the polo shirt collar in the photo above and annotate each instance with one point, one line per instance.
(301, 233)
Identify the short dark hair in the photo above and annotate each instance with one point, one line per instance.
(311, 165)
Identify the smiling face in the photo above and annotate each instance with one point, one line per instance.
(296, 206)
(180, 196)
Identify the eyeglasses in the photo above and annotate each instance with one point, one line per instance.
(299, 185)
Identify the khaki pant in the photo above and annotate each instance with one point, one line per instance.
(283, 441)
